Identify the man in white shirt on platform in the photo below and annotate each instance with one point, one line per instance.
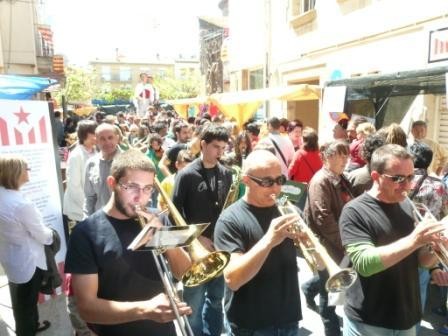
(143, 95)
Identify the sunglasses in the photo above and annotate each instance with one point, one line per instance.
(267, 182)
(400, 178)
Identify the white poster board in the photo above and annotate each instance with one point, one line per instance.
(25, 129)
(333, 102)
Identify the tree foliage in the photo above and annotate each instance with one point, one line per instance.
(112, 95)
(79, 86)
(177, 88)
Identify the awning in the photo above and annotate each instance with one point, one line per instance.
(403, 83)
(241, 105)
(22, 87)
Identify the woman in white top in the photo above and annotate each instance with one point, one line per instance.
(22, 239)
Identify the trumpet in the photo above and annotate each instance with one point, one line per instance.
(340, 279)
(206, 265)
(168, 283)
(422, 214)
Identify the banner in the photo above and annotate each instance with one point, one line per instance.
(25, 129)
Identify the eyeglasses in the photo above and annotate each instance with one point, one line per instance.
(133, 188)
(267, 182)
(400, 178)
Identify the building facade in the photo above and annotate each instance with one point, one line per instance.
(26, 42)
(125, 72)
(284, 42)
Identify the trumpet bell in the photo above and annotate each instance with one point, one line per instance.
(341, 280)
(206, 269)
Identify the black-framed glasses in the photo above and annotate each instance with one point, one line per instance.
(400, 178)
(133, 188)
(267, 182)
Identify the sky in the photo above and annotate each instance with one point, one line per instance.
(88, 29)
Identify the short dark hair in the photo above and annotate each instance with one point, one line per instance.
(334, 147)
(253, 128)
(185, 155)
(215, 132)
(160, 125)
(385, 153)
(422, 154)
(293, 124)
(372, 142)
(84, 128)
(57, 114)
(274, 122)
(310, 139)
(155, 137)
(178, 126)
(419, 123)
(132, 159)
(285, 123)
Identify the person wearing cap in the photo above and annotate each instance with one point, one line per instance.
(143, 95)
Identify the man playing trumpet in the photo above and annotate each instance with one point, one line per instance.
(262, 294)
(379, 234)
(118, 291)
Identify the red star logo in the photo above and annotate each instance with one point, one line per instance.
(22, 115)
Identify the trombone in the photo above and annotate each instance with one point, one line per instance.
(206, 265)
(422, 214)
(168, 284)
(340, 279)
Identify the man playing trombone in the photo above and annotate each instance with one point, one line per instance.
(118, 291)
(262, 294)
(379, 234)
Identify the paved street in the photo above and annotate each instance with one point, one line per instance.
(54, 310)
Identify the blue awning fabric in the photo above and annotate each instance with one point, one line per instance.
(22, 87)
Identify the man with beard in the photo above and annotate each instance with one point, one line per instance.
(118, 291)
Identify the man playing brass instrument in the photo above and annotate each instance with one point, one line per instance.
(262, 294)
(199, 193)
(379, 234)
(118, 291)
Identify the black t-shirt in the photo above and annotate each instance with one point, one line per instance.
(271, 297)
(391, 298)
(99, 245)
(172, 156)
(193, 198)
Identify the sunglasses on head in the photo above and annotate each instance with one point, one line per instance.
(400, 178)
(267, 182)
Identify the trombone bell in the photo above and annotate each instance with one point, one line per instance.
(206, 267)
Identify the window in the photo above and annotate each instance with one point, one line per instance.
(256, 79)
(302, 12)
(306, 5)
(125, 74)
(105, 73)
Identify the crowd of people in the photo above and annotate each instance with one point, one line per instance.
(361, 188)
